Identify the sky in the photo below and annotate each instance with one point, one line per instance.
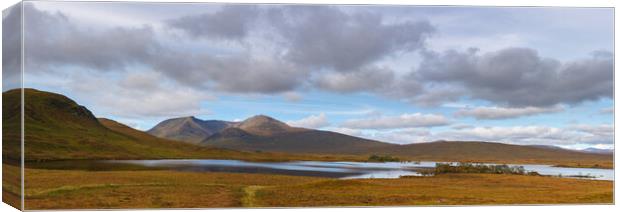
(398, 74)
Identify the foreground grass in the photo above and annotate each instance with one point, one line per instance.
(63, 189)
(448, 189)
(11, 185)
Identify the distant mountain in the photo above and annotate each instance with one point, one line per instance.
(188, 129)
(263, 133)
(546, 146)
(598, 151)
(490, 151)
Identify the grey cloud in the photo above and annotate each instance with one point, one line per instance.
(320, 47)
(52, 39)
(365, 79)
(496, 113)
(241, 74)
(326, 37)
(114, 49)
(229, 23)
(431, 96)
(520, 77)
(11, 47)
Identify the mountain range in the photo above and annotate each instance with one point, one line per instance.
(263, 133)
(57, 127)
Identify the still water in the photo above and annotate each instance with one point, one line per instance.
(343, 170)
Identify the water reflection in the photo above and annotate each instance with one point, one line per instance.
(344, 170)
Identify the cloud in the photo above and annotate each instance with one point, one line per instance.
(11, 47)
(433, 95)
(394, 122)
(598, 130)
(292, 48)
(327, 37)
(511, 76)
(67, 44)
(366, 79)
(138, 95)
(116, 49)
(609, 110)
(520, 135)
(235, 74)
(313, 122)
(495, 113)
(231, 22)
(462, 126)
(292, 96)
(142, 95)
(531, 135)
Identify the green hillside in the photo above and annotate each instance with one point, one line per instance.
(11, 121)
(56, 127)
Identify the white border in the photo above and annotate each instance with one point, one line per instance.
(571, 3)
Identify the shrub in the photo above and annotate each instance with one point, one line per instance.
(383, 158)
(442, 168)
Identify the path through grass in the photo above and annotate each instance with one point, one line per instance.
(249, 196)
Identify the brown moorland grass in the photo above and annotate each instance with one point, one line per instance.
(448, 189)
(62, 189)
(59, 189)
(11, 189)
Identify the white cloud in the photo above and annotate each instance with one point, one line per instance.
(572, 136)
(397, 136)
(313, 122)
(599, 130)
(609, 110)
(530, 135)
(394, 122)
(481, 113)
(292, 96)
(138, 95)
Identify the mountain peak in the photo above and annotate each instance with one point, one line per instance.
(264, 125)
(260, 118)
(189, 128)
(189, 118)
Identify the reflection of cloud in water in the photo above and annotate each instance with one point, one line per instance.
(343, 170)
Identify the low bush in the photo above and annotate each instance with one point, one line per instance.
(383, 158)
(442, 168)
